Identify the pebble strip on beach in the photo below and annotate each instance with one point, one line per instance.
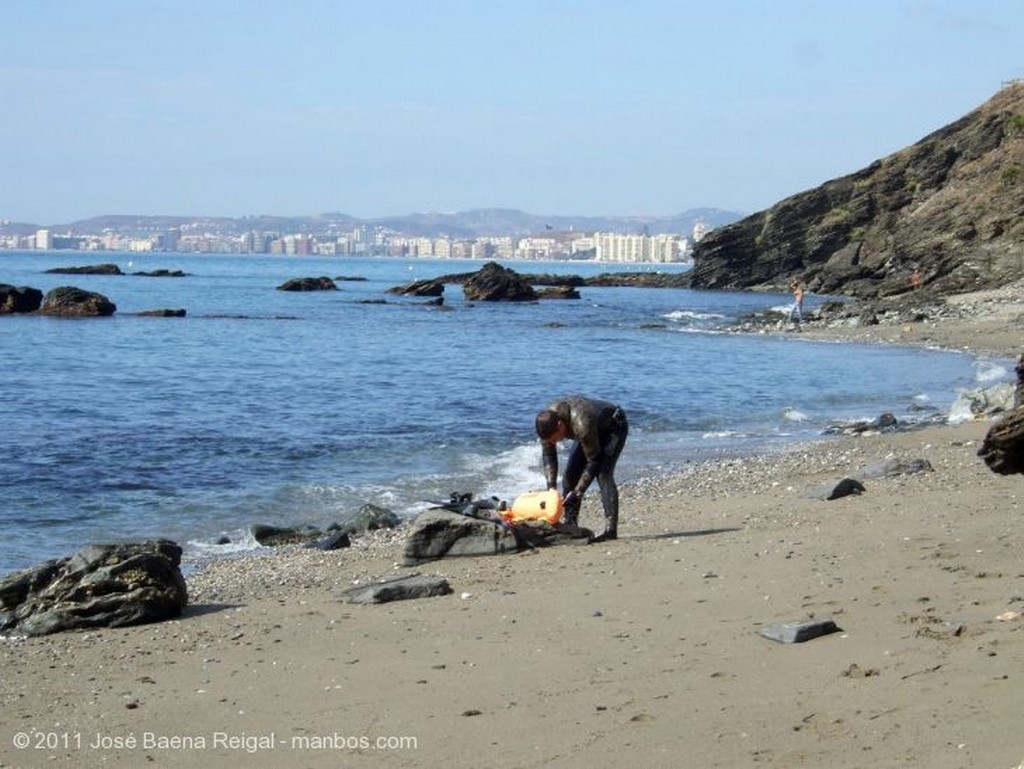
(281, 572)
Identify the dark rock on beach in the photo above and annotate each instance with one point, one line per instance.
(882, 423)
(466, 526)
(90, 269)
(439, 533)
(893, 467)
(1003, 447)
(371, 518)
(322, 283)
(276, 536)
(68, 301)
(368, 518)
(533, 534)
(336, 540)
(799, 631)
(842, 488)
(19, 299)
(399, 589)
(111, 585)
(890, 467)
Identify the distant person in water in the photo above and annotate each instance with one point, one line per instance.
(796, 313)
(599, 430)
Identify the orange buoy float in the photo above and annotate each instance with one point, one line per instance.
(535, 506)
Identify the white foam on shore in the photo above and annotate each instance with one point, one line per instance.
(989, 371)
(197, 551)
(721, 434)
(508, 473)
(794, 415)
(684, 315)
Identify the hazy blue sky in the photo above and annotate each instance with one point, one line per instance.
(379, 107)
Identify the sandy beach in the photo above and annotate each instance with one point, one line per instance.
(640, 652)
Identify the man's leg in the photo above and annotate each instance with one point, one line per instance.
(606, 481)
(573, 470)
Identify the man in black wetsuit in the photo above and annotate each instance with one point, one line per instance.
(599, 429)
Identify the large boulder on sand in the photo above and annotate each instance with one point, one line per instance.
(1003, 447)
(439, 533)
(99, 586)
(475, 530)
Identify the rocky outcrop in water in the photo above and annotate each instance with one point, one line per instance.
(72, 302)
(429, 287)
(161, 273)
(89, 269)
(950, 206)
(608, 279)
(322, 283)
(494, 283)
(641, 279)
(558, 292)
(164, 312)
(19, 299)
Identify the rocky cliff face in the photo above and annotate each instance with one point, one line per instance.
(951, 205)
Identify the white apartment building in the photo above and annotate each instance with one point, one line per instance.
(538, 248)
(443, 248)
(613, 247)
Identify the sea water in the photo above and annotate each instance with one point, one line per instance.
(295, 408)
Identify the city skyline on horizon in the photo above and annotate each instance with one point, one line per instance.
(552, 107)
(373, 221)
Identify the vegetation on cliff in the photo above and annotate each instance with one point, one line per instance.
(950, 206)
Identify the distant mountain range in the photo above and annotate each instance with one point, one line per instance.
(463, 224)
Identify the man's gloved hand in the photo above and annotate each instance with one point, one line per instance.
(570, 508)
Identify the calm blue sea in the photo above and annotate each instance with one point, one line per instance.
(298, 408)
